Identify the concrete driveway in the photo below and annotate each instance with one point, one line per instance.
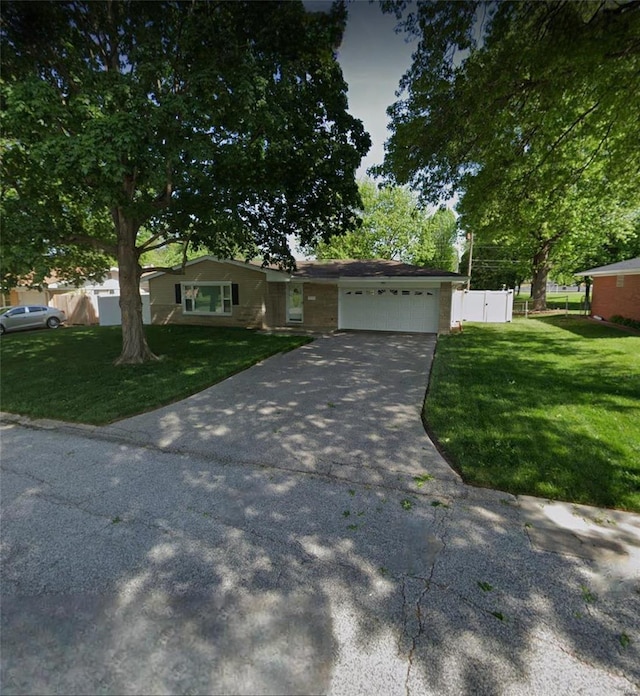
(344, 405)
(269, 536)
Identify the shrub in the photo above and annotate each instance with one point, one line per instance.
(632, 323)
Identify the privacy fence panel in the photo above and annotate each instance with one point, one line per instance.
(486, 306)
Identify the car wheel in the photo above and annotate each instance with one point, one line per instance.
(53, 322)
(2, 329)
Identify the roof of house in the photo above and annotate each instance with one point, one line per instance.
(208, 257)
(366, 268)
(336, 269)
(631, 266)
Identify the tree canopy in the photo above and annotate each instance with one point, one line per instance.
(395, 226)
(529, 111)
(128, 126)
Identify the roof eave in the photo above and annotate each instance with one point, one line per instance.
(413, 279)
(595, 274)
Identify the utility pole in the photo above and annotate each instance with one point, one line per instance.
(470, 238)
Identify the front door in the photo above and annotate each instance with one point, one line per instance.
(294, 303)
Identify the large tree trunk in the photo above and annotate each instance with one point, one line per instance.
(540, 275)
(134, 343)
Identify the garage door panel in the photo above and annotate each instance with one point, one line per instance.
(389, 309)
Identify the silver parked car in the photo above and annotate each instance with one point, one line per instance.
(30, 317)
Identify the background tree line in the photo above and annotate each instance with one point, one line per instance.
(395, 226)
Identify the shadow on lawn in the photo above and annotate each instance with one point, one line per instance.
(586, 327)
(534, 414)
(76, 364)
(152, 573)
(578, 467)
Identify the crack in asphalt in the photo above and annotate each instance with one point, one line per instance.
(540, 639)
(416, 636)
(428, 581)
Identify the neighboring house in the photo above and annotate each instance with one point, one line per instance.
(96, 303)
(372, 295)
(80, 304)
(52, 286)
(110, 285)
(616, 289)
(23, 296)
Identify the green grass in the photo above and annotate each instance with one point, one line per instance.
(555, 301)
(69, 374)
(547, 407)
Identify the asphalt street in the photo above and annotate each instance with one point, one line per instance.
(132, 565)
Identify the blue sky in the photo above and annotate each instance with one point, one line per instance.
(373, 59)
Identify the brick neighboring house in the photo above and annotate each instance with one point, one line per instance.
(616, 289)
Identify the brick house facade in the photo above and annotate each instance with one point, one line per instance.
(616, 290)
(375, 295)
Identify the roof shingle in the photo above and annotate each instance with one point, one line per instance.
(613, 268)
(366, 268)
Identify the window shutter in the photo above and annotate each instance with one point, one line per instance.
(235, 294)
(178, 289)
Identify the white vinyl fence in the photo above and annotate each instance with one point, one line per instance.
(109, 310)
(487, 306)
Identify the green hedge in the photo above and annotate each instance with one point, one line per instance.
(633, 323)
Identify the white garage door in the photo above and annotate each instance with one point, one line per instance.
(389, 309)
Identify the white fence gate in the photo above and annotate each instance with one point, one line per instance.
(487, 306)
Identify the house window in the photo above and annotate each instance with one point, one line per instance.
(206, 298)
(620, 281)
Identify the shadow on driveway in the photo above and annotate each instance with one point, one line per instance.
(351, 400)
(129, 570)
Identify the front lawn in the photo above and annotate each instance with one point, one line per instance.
(68, 374)
(547, 407)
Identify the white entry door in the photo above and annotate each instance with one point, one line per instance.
(389, 309)
(294, 303)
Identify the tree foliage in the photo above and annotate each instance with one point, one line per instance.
(622, 243)
(395, 226)
(442, 230)
(128, 126)
(529, 111)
